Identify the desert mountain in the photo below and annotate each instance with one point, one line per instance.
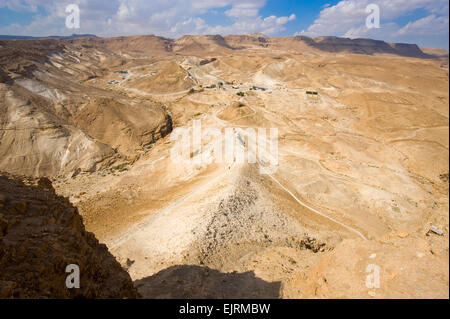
(361, 176)
(194, 44)
(154, 45)
(18, 37)
(207, 43)
(65, 126)
(148, 45)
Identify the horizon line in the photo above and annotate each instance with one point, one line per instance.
(88, 35)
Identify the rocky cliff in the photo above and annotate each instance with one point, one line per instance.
(40, 234)
(53, 125)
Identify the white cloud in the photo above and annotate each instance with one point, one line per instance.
(170, 18)
(347, 18)
(270, 25)
(430, 25)
(245, 9)
(18, 5)
(123, 13)
(363, 32)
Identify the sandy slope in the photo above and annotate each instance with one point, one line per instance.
(363, 170)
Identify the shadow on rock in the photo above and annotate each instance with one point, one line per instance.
(195, 282)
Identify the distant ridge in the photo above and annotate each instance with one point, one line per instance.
(19, 37)
(364, 46)
(327, 44)
(193, 44)
(15, 37)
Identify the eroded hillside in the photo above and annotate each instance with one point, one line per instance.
(362, 172)
(54, 126)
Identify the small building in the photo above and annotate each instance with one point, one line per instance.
(314, 95)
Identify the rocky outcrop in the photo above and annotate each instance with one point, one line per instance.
(142, 45)
(3, 77)
(396, 265)
(53, 125)
(190, 44)
(362, 46)
(35, 142)
(324, 44)
(40, 235)
(248, 40)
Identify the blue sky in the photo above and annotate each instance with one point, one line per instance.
(424, 22)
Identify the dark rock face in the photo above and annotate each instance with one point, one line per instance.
(40, 235)
(183, 282)
(411, 50)
(366, 46)
(3, 77)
